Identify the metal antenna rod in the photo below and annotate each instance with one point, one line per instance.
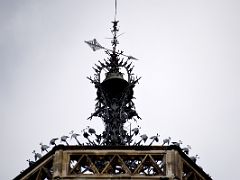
(115, 16)
(115, 30)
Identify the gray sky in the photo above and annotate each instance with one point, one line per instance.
(189, 63)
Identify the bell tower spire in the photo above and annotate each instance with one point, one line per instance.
(115, 104)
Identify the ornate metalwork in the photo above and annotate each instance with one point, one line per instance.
(115, 104)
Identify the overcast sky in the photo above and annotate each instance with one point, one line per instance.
(189, 62)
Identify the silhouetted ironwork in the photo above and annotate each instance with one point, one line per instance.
(115, 104)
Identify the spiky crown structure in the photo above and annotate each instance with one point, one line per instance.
(115, 94)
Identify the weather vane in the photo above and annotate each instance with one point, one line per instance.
(96, 46)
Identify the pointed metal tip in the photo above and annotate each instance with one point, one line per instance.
(132, 58)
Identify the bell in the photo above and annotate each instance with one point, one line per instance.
(114, 86)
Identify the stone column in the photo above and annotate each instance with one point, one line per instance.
(57, 164)
(174, 165)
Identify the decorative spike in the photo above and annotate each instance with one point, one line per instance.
(125, 63)
(103, 65)
(134, 81)
(96, 70)
(129, 65)
(99, 67)
(90, 78)
(121, 62)
(131, 57)
(131, 69)
(106, 62)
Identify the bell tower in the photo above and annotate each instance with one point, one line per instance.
(114, 153)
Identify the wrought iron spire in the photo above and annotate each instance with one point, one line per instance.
(115, 104)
